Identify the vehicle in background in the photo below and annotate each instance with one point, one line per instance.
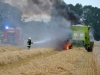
(13, 36)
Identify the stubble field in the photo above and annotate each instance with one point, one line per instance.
(48, 61)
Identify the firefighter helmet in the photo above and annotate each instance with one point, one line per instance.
(29, 38)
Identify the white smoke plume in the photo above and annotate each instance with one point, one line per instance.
(30, 8)
(53, 33)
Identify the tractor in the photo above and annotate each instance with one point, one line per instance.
(82, 36)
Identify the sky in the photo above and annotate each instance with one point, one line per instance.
(94, 3)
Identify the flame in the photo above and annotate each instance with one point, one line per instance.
(67, 46)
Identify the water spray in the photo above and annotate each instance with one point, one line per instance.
(42, 41)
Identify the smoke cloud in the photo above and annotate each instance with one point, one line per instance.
(63, 10)
(53, 33)
(31, 7)
(38, 7)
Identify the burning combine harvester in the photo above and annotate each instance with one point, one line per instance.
(80, 33)
(82, 37)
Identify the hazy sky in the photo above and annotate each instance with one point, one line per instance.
(94, 3)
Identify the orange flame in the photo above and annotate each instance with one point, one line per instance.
(67, 46)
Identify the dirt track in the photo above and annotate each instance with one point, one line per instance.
(46, 61)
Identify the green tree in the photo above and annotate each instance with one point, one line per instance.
(9, 15)
(90, 16)
(77, 8)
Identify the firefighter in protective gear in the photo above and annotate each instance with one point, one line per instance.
(29, 42)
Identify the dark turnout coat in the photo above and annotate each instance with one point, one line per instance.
(29, 43)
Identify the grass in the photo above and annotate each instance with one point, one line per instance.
(96, 57)
(47, 61)
(9, 48)
(10, 56)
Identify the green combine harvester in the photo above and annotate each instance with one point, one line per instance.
(81, 37)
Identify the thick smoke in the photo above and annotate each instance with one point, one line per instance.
(53, 33)
(91, 33)
(9, 16)
(63, 10)
(30, 8)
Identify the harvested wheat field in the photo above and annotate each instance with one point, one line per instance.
(48, 61)
(96, 57)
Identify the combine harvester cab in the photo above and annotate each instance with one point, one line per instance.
(12, 36)
(81, 37)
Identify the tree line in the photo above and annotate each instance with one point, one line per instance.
(90, 16)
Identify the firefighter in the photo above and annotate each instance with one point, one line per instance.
(29, 42)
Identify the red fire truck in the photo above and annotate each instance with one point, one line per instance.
(13, 36)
